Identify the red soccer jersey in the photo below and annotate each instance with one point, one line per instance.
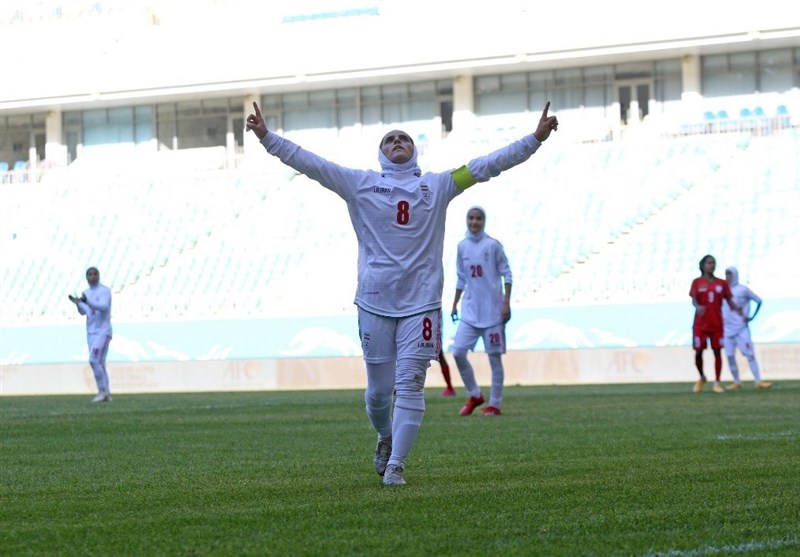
(709, 295)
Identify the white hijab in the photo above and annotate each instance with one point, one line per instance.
(480, 235)
(389, 168)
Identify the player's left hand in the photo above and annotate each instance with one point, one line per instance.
(505, 313)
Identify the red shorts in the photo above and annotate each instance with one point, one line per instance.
(701, 339)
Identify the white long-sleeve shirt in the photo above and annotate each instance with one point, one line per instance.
(399, 219)
(732, 321)
(97, 309)
(482, 270)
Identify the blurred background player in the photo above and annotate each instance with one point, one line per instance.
(481, 269)
(95, 304)
(398, 215)
(737, 332)
(448, 391)
(707, 292)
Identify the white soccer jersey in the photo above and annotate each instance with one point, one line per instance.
(482, 270)
(399, 219)
(732, 321)
(97, 309)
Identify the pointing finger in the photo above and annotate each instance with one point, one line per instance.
(546, 108)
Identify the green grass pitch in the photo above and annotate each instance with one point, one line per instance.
(640, 470)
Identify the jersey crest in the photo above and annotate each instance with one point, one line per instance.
(425, 191)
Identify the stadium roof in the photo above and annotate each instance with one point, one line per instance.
(124, 50)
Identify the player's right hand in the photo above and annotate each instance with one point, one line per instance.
(546, 125)
(256, 123)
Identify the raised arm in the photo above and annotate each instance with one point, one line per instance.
(488, 166)
(329, 174)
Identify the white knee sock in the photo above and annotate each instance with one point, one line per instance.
(100, 376)
(498, 376)
(466, 372)
(734, 367)
(378, 397)
(409, 407)
(754, 368)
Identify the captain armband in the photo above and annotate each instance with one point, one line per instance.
(463, 178)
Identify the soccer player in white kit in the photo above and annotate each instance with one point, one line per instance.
(482, 272)
(737, 332)
(398, 215)
(95, 304)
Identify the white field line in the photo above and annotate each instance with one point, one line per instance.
(756, 437)
(728, 549)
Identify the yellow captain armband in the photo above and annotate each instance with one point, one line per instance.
(463, 178)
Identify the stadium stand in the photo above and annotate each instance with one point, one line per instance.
(617, 221)
(194, 233)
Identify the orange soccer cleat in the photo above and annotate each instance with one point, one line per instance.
(698, 387)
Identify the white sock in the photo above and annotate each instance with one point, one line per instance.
(498, 376)
(409, 407)
(466, 372)
(754, 368)
(734, 367)
(100, 376)
(378, 397)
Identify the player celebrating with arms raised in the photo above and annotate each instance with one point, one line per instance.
(707, 292)
(398, 215)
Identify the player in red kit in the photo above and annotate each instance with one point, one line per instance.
(448, 390)
(707, 293)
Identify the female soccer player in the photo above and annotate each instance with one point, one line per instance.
(483, 273)
(95, 304)
(707, 292)
(737, 331)
(398, 215)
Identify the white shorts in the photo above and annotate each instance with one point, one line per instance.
(494, 338)
(98, 347)
(388, 339)
(741, 341)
